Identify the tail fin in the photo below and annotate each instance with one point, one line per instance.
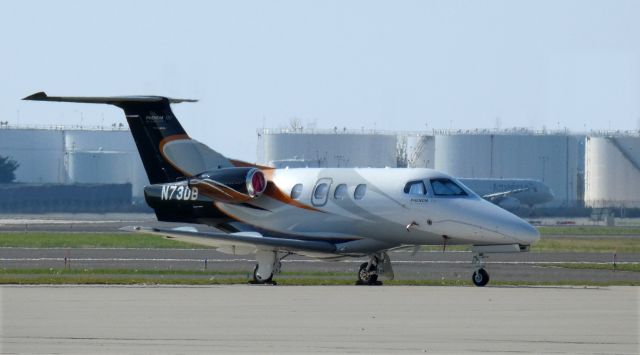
(167, 152)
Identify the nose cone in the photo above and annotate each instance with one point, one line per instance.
(524, 232)
(513, 227)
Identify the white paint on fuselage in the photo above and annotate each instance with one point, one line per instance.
(384, 212)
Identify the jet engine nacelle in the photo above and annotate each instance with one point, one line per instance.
(184, 200)
(509, 203)
(230, 185)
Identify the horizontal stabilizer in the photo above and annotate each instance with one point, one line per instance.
(112, 100)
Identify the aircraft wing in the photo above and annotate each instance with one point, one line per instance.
(502, 194)
(243, 240)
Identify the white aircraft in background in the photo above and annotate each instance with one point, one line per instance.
(510, 193)
(323, 213)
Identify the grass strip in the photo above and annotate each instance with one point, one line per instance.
(588, 245)
(88, 280)
(151, 272)
(595, 266)
(569, 244)
(588, 230)
(90, 240)
(604, 244)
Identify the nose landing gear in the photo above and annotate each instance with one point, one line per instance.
(480, 275)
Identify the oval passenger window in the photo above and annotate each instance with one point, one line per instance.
(361, 189)
(296, 191)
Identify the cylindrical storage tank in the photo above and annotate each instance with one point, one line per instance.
(113, 141)
(464, 155)
(331, 150)
(550, 158)
(99, 167)
(90, 140)
(38, 151)
(612, 172)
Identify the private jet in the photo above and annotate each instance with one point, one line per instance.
(325, 213)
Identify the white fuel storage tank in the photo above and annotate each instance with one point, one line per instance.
(99, 167)
(329, 148)
(38, 151)
(110, 141)
(550, 158)
(612, 171)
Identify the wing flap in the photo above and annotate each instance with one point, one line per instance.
(240, 239)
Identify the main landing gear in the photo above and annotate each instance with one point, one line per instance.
(480, 275)
(269, 264)
(379, 264)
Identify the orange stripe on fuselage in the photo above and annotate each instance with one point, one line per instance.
(275, 193)
(272, 190)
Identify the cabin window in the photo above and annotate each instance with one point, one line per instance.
(321, 192)
(446, 187)
(341, 192)
(296, 191)
(361, 189)
(415, 188)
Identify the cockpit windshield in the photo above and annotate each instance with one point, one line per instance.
(446, 187)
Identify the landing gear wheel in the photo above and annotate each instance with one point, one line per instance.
(366, 276)
(258, 281)
(480, 278)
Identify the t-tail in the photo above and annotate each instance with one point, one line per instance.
(167, 152)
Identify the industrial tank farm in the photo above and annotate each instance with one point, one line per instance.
(38, 151)
(550, 158)
(330, 148)
(68, 155)
(108, 156)
(612, 175)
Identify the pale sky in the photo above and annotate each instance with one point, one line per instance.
(392, 65)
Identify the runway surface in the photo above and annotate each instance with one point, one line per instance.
(420, 266)
(264, 319)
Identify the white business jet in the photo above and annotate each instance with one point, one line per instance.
(323, 213)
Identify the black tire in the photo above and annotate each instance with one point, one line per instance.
(480, 278)
(365, 276)
(259, 281)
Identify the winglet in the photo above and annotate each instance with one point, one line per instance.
(37, 96)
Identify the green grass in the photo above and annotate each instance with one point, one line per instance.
(607, 243)
(94, 280)
(588, 245)
(595, 266)
(588, 230)
(152, 272)
(89, 240)
(189, 277)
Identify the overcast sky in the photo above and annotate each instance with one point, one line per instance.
(394, 65)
